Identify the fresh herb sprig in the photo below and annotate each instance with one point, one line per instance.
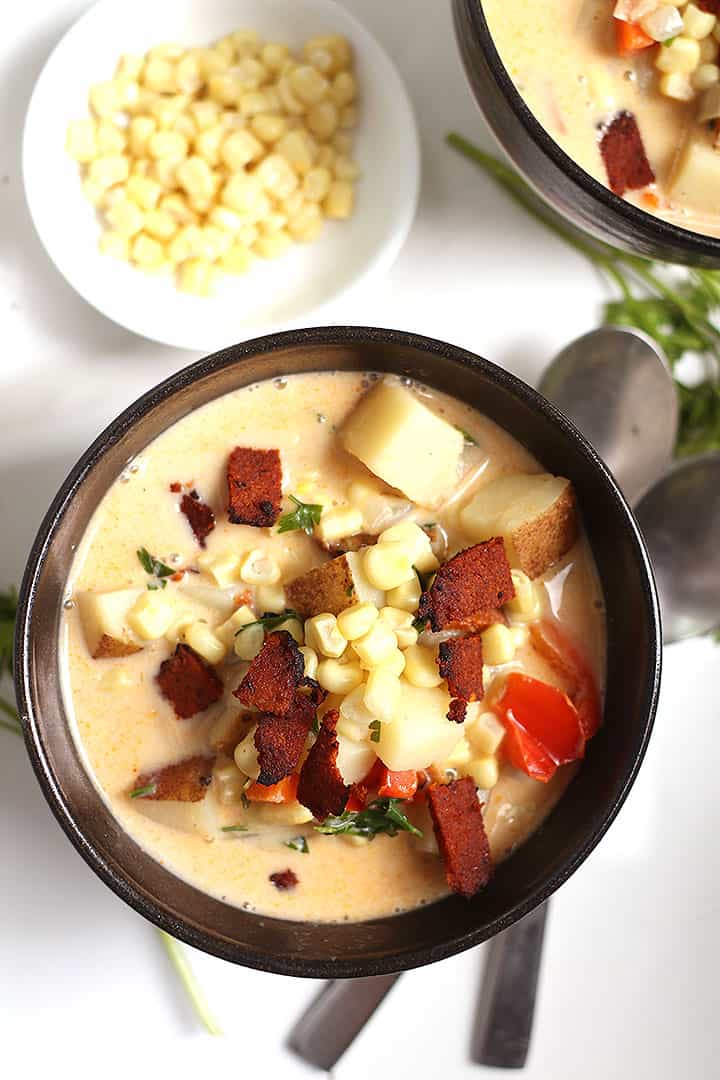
(155, 568)
(305, 516)
(298, 843)
(270, 621)
(381, 816)
(673, 306)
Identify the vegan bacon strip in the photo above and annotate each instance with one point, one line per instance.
(254, 486)
(199, 515)
(624, 155)
(188, 682)
(272, 680)
(469, 589)
(185, 781)
(322, 789)
(460, 662)
(280, 740)
(460, 832)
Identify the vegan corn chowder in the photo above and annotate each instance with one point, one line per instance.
(630, 90)
(328, 630)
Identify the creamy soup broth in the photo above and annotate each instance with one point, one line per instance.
(123, 726)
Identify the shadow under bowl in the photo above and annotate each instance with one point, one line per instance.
(440, 929)
(559, 181)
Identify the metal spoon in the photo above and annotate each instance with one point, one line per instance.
(616, 386)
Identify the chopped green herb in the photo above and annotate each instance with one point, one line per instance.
(381, 816)
(161, 585)
(425, 580)
(430, 525)
(298, 843)
(350, 589)
(315, 725)
(271, 622)
(419, 624)
(144, 792)
(306, 516)
(375, 730)
(234, 828)
(470, 440)
(244, 800)
(668, 41)
(153, 566)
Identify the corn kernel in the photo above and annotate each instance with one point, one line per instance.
(460, 756)
(259, 568)
(340, 200)
(316, 184)
(207, 144)
(196, 177)
(246, 756)
(342, 143)
(498, 646)
(698, 23)
(277, 175)
(139, 131)
(163, 170)
(705, 76)
(339, 522)
(307, 84)
(230, 783)
(242, 617)
(268, 127)
(273, 222)
(355, 717)
(129, 66)
(299, 150)
(400, 622)
(224, 88)
(339, 678)
(249, 642)
(105, 99)
(417, 541)
(484, 771)
(388, 565)
(344, 89)
(236, 260)
(109, 169)
(203, 641)
(151, 615)
(239, 149)
(677, 86)
(311, 661)
(272, 246)
(146, 251)
(680, 57)
(112, 243)
(485, 733)
(242, 193)
(144, 191)
(325, 157)
(376, 646)
(81, 143)
(160, 224)
(211, 62)
(348, 118)
(421, 667)
(223, 568)
(355, 621)
(274, 55)
(117, 678)
(167, 144)
(708, 50)
(525, 605)
(167, 110)
(345, 168)
(159, 75)
(405, 596)
(306, 224)
(288, 101)
(125, 217)
(205, 113)
(382, 694)
(270, 598)
(196, 277)
(394, 662)
(334, 46)
(178, 209)
(323, 635)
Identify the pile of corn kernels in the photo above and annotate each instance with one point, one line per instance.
(201, 159)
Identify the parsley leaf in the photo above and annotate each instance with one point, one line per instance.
(298, 843)
(381, 816)
(153, 566)
(375, 730)
(144, 792)
(470, 440)
(270, 621)
(306, 516)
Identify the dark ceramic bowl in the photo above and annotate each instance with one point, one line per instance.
(560, 182)
(543, 863)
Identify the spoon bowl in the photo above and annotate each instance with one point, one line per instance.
(680, 519)
(615, 385)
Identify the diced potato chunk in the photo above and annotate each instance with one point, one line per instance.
(534, 514)
(695, 178)
(333, 587)
(355, 759)
(420, 732)
(404, 443)
(105, 624)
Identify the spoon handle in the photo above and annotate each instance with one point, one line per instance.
(336, 1016)
(506, 1009)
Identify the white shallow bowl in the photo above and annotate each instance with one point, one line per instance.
(274, 293)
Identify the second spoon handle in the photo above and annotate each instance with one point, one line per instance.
(506, 1009)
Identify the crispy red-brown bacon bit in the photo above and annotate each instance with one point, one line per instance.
(322, 789)
(460, 831)
(254, 486)
(199, 515)
(272, 680)
(469, 589)
(280, 741)
(460, 662)
(624, 155)
(184, 781)
(284, 879)
(188, 682)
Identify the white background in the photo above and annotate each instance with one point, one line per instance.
(629, 987)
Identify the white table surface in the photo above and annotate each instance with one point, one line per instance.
(629, 985)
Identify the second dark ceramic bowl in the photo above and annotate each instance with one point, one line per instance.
(542, 864)
(561, 183)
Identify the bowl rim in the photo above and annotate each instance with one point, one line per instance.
(663, 231)
(32, 724)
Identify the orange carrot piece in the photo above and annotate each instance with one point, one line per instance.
(284, 791)
(631, 38)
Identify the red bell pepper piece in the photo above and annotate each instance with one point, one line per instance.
(398, 785)
(546, 714)
(525, 753)
(565, 658)
(284, 791)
